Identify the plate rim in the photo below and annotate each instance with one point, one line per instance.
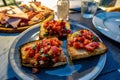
(90, 76)
(99, 26)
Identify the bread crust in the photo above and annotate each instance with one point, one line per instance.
(82, 53)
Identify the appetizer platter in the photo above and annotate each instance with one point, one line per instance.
(17, 19)
(51, 57)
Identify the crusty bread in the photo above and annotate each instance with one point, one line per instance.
(82, 53)
(42, 31)
(25, 60)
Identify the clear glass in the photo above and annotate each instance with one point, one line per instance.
(88, 8)
(63, 10)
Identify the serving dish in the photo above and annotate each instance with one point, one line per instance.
(108, 23)
(84, 69)
(17, 19)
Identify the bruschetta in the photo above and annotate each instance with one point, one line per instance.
(83, 44)
(42, 53)
(54, 28)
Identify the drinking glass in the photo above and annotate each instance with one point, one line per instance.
(88, 8)
(63, 10)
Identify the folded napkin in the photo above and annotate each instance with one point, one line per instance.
(113, 9)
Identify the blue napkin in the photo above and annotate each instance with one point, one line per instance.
(115, 75)
(111, 64)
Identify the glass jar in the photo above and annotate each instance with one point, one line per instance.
(63, 10)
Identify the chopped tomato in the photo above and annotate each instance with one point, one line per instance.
(53, 21)
(56, 28)
(60, 33)
(86, 41)
(46, 49)
(81, 31)
(87, 34)
(68, 31)
(44, 57)
(91, 46)
(45, 25)
(31, 53)
(27, 48)
(56, 59)
(76, 45)
(37, 56)
(55, 50)
(94, 44)
(55, 42)
(37, 47)
(45, 42)
(80, 39)
(70, 43)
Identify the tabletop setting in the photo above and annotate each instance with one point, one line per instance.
(60, 40)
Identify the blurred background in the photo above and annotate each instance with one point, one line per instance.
(106, 3)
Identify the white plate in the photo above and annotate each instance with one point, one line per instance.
(84, 69)
(108, 24)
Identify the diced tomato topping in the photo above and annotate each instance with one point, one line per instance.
(55, 42)
(31, 53)
(68, 31)
(46, 25)
(46, 49)
(57, 28)
(76, 45)
(94, 44)
(27, 48)
(75, 39)
(45, 42)
(43, 58)
(56, 59)
(37, 56)
(91, 46)
(38, 46)
(70, 43)
(80, 39)
(53, 21)
(86, 41)
(81, 31)
(55, 50)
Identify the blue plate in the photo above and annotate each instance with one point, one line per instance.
(84, 69)
(108, 24)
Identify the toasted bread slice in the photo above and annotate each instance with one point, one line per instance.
(42, 33)
(82, 52)
(44, 59)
